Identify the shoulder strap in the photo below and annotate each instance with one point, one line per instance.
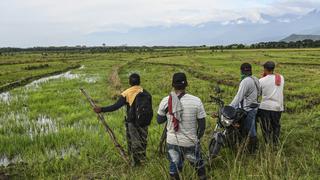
(181, 95)
(254, 81)
(241, 103)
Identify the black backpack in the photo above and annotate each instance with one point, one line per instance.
(141, 109)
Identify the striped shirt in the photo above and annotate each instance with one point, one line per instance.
(193, 109)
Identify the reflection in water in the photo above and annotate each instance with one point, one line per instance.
(5, 97)
(91, 79)
(67, 75)
(5, 161)
(63, 153)
(43, 126)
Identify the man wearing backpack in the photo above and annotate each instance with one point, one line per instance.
(247, 99)
(271, 105)
(185, 117)
(138, 118)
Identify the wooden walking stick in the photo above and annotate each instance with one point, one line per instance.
(107, 128)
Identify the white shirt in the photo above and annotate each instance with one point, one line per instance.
(186, 135)
(272, 95)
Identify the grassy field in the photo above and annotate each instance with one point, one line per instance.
(48, 130)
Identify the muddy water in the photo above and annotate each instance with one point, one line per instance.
(91, 80)
(63, 153)
(42, 125)
(5, 161)
(5, 97)
(37, 83)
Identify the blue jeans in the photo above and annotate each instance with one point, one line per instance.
(177, 154)
(249, 124)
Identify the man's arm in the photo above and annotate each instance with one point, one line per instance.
(201, 127)
(121, 102)
(240, 95)
(201, 118)
(161, 119)
(162, 112)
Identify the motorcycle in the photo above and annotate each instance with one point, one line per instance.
(227, 131)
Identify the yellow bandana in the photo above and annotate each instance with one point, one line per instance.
(131, 93)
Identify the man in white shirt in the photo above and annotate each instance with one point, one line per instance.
(185, 117)
(271, 105)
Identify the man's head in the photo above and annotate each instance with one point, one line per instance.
(134, 79)
(246, 69)
(179, 81)
(269, 67)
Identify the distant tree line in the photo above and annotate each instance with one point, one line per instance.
(308, 43)
(77, 49)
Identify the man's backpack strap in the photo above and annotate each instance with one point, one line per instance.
(257, 87)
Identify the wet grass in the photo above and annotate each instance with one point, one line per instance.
(48, 130)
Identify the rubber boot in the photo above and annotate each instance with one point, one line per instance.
(135, 161)
(202, 173)
(253, 145)
(175, 176)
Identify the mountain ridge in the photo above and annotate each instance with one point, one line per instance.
(241, 30)
(301, 37)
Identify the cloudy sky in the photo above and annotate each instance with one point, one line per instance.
(26, 23)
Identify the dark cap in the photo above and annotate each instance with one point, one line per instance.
(269, 65)
(179, 80)
(246, 69)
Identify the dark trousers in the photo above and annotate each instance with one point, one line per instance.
(270, 125)
(137, 141)
(248, 124)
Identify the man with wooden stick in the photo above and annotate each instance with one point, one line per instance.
(138, 118)
(185, 117)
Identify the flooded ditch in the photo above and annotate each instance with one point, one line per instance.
(19, 121)
(5, 161)
(66, 75)
(5, 97)
(28, 80)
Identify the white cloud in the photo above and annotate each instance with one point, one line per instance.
(45, 22)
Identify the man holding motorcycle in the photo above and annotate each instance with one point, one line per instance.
(247, 99)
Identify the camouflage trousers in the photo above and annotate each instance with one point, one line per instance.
(137, 142)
